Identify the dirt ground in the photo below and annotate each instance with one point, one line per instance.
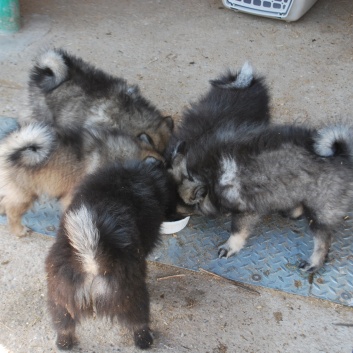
(171, 49)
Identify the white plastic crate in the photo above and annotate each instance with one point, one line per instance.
(287, 10)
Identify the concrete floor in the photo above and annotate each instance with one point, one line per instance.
(171, 49)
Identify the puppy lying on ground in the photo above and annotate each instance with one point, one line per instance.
(98, 261)
(35, 161)
(69, 93)
(258, 170)
(232, 100)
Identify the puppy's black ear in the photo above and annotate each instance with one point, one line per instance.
(146, 138)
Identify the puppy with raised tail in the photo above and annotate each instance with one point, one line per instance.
(34, 161)
(255, 171)
(234, 99)
(69, 93)
(98, 261)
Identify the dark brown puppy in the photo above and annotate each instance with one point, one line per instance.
(98, 262)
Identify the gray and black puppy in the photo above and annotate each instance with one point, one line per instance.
(254, 171)
(70, 93)
(234, 99)
(98, 261)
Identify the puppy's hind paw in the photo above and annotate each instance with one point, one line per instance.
(66, 342)
(143, 338)
(307, 267)
(23, 232)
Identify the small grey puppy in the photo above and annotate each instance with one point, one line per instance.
(70, 93)
(255, 171)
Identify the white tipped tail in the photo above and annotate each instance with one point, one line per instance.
(50, 70)
(244, 77)
(29, 146)
(333, 140)
(241, 80)
(84, 238)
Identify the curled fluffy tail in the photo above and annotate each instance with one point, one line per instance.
(50, 70)
(30, 146)
(334, 140)
(241, 80)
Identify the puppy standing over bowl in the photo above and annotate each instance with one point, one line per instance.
(69, 93)
(98, 261)
(256, 171)
(34, 160)
(234, 99)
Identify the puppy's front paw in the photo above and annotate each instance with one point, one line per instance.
(232, 246)
(307, 267)
(222, 252)
(226, 251)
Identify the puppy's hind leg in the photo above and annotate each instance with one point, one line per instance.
(64, 325)
(241, 227)
(15, 206)
(322, 242)
(136, 313)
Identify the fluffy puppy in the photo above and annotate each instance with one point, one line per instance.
(35, 161)
(70, 93)
(259, 170)
(233, 99)
(98, 261)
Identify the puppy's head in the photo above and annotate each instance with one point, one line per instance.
(192, 189)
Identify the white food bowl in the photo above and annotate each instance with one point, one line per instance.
(287, 10)
(174, 227)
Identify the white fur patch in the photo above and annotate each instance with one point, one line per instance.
(94, 162)
(297, 212)
(93, 288)
(228, 171)
(55, 62)
(320, 250)
(237, 241)
(228, 181)
(328, 136)
(84, 238)
(98, 114)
